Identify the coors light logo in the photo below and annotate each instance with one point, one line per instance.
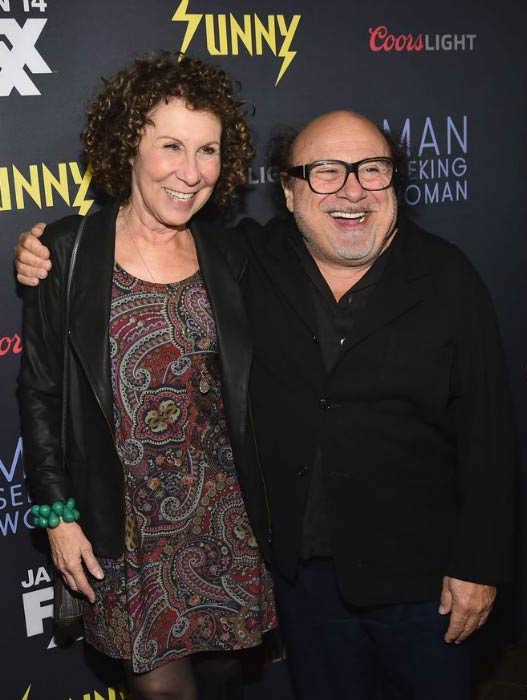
(383, 40)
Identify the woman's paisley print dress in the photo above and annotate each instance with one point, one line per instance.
(191, 578)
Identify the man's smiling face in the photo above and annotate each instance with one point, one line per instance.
(353, 226)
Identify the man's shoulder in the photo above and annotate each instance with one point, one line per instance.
(267, 236)
(253, 238)
(444, 259)
(236, 235)
(438, 251)
(247, 229)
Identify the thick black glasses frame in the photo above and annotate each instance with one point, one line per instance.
(303, 172)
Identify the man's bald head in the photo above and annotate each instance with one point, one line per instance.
(330, 124)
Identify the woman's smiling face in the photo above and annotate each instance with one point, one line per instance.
(177, 165)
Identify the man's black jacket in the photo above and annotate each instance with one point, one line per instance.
(414, 420)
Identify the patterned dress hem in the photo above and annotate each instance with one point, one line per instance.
(175, 654)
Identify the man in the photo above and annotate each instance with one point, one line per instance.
(379, 404)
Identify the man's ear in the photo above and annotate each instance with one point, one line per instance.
(288, 192)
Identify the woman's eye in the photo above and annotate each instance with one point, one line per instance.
(172, 146)
(209, 150)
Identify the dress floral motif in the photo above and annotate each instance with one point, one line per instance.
(191, 578)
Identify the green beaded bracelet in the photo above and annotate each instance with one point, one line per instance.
(51, 516)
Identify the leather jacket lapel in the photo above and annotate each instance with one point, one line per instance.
(231, 324)
(90, 304)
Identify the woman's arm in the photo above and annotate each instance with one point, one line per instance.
(40, 397)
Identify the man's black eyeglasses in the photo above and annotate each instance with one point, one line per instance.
(329, 176)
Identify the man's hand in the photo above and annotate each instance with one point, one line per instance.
(31, 257)
(71, 552)
(469, 605)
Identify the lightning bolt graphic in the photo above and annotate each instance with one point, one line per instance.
(83, 182)
(193, 20)
(289, 35)
(117, 693)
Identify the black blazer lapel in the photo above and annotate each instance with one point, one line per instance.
(90, 303)
(231, 324)
(398, 291)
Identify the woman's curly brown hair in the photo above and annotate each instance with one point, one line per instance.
(116, 119)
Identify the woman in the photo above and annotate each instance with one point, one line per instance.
(173, 565)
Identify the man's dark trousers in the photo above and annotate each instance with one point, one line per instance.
(389, 652)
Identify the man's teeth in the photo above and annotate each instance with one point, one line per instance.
(179, 195)
(347, 215)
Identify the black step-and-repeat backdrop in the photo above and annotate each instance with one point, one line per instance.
(448, 77)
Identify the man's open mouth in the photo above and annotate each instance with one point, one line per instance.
(359, 215)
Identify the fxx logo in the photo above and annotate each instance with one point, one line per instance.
(18, 53)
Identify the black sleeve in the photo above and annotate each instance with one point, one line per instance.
(482, 412)
(41, 372)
